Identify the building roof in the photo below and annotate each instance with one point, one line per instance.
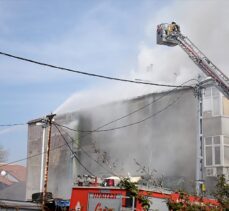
(10, 174)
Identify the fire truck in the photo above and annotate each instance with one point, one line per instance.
(112, 198)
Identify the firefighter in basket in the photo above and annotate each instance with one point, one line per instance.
(173, 27)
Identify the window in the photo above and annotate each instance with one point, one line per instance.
(215, 92)
(226, 151)
(212, 102)
(208, 141)
(225, 106)
(213, 151)
(217, 155)
(207, 92)
(209, 156)
(216, 106)
(226, 155)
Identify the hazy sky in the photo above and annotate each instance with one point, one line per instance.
(114, 38)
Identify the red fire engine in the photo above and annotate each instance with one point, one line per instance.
(116, 199)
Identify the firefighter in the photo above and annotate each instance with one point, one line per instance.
(176, 27)
(173, 27)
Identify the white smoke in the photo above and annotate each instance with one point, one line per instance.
(102, 95)
(204, 22)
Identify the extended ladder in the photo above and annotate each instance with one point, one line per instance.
(220, 79)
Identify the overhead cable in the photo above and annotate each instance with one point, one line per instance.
(12, 125)
(123, 126)
(29, 157)
(53, 149)
(84, 151)
(142, 120)
(87, 73)
(132, 112)
(127, 125)
(73, 153)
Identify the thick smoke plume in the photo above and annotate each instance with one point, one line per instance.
(204, 22)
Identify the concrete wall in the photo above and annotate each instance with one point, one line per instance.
(60, 175)
(165, 142)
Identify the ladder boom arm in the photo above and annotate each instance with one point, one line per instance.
(172, 38)
(220, 79)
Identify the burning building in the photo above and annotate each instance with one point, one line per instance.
(152, 135)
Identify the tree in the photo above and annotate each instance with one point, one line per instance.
(149, 175)
(183, 203)
(134, 192)
(222, 192)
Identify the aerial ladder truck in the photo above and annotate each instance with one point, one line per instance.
(170, 35)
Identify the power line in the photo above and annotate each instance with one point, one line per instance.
(12, 125)
(32, 156)
(138, 122)
(133, 112)
(143, 120)
(73, 152)
(120, 118)
(127, 125)
(29, 157)
(66, 143)
(85, 152)
(152, 115)
(86, 73)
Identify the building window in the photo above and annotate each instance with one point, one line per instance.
(209, 156)
(226, 150)
(213, 151)
(212, 102)
(225, 106)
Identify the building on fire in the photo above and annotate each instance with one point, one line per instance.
(154, 134)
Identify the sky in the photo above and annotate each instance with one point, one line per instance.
(109, 37)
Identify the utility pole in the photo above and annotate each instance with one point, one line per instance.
(199, 180)
(43, 125)
(49, 119)
(199, 141)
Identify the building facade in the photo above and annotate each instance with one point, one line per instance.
(154, 135)
(216, 133)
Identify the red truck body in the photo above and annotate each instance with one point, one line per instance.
(116, 199)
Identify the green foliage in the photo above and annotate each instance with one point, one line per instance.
(184, 204)
(134, 192)
(222, 192)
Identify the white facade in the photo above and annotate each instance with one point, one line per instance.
(216, 133)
